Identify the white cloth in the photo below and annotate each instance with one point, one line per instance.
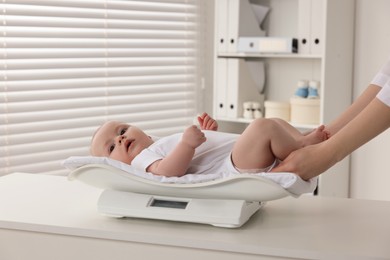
(288, 181)
(382, 79)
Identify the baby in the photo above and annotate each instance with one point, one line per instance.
(258, 149)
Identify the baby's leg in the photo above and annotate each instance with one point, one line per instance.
(316, 136)
(261, 143)
(288, 128)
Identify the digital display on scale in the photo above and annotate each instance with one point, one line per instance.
(169, 204)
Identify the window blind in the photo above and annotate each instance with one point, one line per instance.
(69, 65)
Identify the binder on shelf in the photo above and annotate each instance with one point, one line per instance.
(221, 25)
(317, 31)
(233, 87)
(237, 18)
(267, 44)
(245, 83)
(242, 21)
(220, 94)
(304, 26)
(310, 26)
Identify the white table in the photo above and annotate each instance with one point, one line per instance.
(49, 217)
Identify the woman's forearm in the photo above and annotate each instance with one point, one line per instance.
(372, 121)
(361, 102)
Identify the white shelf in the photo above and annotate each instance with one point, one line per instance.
(268, 55)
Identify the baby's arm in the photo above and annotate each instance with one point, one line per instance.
(177, 162)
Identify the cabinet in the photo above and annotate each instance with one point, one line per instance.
(324, 29)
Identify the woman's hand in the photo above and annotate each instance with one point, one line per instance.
(307, 162)
(206, 122)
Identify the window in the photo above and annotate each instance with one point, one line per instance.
(67, 66)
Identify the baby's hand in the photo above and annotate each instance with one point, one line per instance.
(193, 136)
(206, 122)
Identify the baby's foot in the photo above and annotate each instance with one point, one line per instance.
(318, 135)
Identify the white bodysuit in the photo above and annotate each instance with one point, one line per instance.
(382, 79)
(210, 157)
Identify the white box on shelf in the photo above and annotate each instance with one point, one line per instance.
(268, 44)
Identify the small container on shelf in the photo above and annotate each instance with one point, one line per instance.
(305, 111)
(277, 109)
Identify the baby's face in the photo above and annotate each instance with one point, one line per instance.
(119, 141)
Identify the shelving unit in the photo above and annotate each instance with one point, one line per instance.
(326, 27)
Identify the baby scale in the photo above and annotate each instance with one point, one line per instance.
(227, 202)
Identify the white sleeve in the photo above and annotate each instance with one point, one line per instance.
(383, 76)
(144, 159)
(384, 94)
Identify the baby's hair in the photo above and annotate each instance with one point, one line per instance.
(93, 137)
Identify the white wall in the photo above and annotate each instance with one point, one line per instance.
(370, 171)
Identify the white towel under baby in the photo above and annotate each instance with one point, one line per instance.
(289, 181)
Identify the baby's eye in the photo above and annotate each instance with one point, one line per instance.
(123, 131)
(111, 148)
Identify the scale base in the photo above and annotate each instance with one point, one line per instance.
(216, 212)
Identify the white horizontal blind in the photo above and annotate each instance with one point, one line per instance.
(69, 65)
